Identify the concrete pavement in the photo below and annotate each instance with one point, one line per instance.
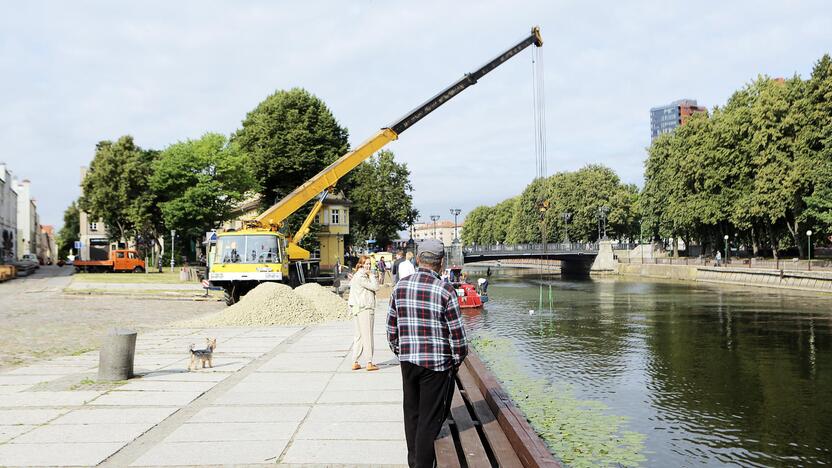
(281, 395)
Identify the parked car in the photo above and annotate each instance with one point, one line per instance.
(30, 257)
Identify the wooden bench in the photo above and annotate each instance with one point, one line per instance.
(484, 427)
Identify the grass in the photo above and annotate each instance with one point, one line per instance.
(133, 278)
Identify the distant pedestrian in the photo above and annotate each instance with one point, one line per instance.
(399, 260)
(424, 329)
(362, 303)
(382, 269)
(406, 267)
(718, 258)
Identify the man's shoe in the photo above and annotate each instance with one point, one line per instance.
(356, 366)
(371, 366)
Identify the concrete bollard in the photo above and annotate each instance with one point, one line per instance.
(115, 360)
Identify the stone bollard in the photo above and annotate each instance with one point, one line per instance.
(115, 360)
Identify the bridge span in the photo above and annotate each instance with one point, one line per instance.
(576, 259)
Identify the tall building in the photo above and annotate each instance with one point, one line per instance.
(442, 230)
(8, 215)
(28, 223)
(664, 119)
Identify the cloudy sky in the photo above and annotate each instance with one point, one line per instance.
(75, 73)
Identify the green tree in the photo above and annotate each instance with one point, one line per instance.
(382, 198)
(70, 231)
(116, 187)
(198, 183)
(815, 146)
(473, 230)
(289, 137)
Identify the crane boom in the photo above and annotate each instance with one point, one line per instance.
(328, 177)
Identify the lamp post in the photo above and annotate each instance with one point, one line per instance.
(434, 218)
(455, 212)
(566, 217)
(172, 241)
(671, 246)
(726, 248)
(809, 236)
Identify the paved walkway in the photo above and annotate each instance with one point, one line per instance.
(283, 395)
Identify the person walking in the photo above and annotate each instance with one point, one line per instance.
(406, 267)
(399, 260)
(424, 329)
(382, 269)
(718, 258)
(362, 303)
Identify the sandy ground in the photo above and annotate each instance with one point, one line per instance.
(40, 321)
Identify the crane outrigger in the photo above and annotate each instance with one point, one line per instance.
(259, 252)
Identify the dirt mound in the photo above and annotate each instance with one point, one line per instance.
(326, 302)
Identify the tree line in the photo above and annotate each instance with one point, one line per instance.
(758, 169)
(196, 185)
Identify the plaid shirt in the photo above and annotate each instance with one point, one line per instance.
(424, 326)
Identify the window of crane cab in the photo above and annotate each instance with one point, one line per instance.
(247, 249)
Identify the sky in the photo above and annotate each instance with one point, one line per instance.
(75, 73)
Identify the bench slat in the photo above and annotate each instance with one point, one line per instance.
(445, 451)
(500, 445)
(472, 447)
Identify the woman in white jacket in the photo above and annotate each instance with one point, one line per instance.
(363, 287)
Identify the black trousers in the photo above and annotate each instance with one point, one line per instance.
(427, 399)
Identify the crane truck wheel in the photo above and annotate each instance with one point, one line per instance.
(138, 269)
(230, 295)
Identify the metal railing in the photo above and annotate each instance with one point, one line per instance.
(763, 264)
(530, 248)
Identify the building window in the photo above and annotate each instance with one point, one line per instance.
(93, 226)
(336, 215)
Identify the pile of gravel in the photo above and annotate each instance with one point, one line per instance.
(277, 304)
(327, 302)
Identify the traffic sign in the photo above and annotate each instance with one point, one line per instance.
(77, 245)
(205, 283)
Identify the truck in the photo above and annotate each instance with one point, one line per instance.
(260, 252)
(124, 260)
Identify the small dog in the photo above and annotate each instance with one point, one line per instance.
(204, 355)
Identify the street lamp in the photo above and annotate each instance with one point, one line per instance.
(434, 218)
(566, 217)
(726, 248)
(455, 212)
(809, 235)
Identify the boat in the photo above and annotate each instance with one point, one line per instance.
(466, 292)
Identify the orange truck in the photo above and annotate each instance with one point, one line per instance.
(120, 260)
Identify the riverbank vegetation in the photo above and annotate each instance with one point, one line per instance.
(581, 433)
(196, 185)
(758, 169)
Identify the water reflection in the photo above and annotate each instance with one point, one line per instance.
(711, 375)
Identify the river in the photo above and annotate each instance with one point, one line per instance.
(711, 375)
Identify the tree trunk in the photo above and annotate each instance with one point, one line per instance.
(772, 240)
(755, 243)
(795, 232)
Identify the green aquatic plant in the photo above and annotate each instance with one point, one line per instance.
(581, 433)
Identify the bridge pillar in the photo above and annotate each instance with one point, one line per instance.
(605, 260)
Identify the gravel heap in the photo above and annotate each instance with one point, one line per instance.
(277, 304)
(327, 302)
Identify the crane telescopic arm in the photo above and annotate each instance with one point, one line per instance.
(328, 177)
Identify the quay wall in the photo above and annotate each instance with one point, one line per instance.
(767, 278)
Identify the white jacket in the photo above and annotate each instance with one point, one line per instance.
(363, 290)
(406, 269)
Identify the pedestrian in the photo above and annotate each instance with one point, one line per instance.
(718, 258)
(424, 329)
(399, 260)
(382, 269)
(362, 303)
(406, 267)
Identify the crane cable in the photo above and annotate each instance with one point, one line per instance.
(539, 112)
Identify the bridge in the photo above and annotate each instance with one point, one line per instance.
(575, 258)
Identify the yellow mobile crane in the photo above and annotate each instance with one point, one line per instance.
(259, 252)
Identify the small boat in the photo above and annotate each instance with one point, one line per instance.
(466, 292)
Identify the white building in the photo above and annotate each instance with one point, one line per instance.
(8, 215)
(28, 224)
(442, 230)
(95, 243)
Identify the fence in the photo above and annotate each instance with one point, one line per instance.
(774, 264)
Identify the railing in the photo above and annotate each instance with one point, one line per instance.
(773, 264)
(530, 248)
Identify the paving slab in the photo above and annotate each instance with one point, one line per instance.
(6, 379)
(358, 452)
(212, 453)
(6, 389)
(81, 454)
(351, 430)
(367, 381)
(167, 386)
(119, 398)
(226, 414)
(59, 399)
(282, 382)
(227, 431)
(49, 370)
(270, 398)
(335, 395)
(115, 415)
(73, 433)
(174, 375)
(9, 432)
(367, 412)
(10, 417)
(300, 363)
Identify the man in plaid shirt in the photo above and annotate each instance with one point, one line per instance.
(424, 328)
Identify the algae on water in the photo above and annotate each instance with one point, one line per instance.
(579, 432)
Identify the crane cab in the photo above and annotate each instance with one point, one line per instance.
(243, 259)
